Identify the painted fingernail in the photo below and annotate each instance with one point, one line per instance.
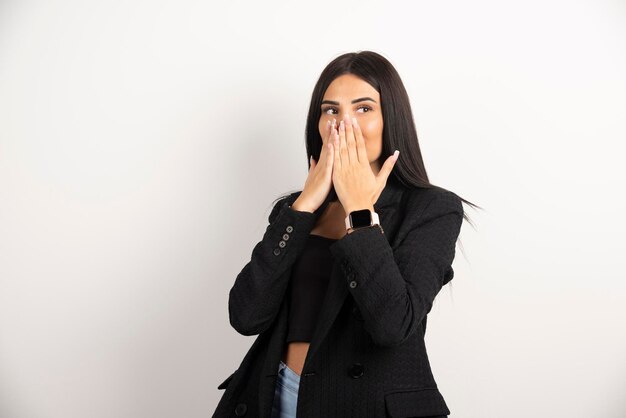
(341, 125)
(395, 154)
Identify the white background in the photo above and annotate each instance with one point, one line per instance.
(142, 144)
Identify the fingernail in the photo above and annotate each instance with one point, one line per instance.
(395, 154)
(354, 121)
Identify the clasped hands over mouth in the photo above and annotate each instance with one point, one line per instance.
(356, 184)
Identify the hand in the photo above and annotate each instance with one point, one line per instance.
(356, 184)
(319, 181)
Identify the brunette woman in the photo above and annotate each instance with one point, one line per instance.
(339, 288)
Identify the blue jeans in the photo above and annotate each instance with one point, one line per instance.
(286, 392)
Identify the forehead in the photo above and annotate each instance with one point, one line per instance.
(349, 86)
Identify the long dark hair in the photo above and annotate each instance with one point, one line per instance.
(399, 131)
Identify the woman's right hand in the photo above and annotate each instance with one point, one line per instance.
(319, 181)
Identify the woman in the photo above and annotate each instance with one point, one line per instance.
(339, 288)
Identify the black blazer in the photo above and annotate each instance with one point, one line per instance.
(367, 357)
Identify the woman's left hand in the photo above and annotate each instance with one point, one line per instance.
(356, 185)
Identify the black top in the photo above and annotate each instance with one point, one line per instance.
(309, 281)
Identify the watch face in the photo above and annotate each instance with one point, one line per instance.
(361, 218)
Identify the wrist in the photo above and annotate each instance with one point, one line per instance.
(362, 218)
(301, 207)
(355, 207)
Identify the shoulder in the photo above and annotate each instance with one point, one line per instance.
(424, 204)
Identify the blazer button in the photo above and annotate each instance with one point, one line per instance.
(241, 409)
(286, 237)
(282, 244)
(276, 251)
(353, 284)
(356, 370)
(289, 228)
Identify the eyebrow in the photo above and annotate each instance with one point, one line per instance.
(360, 99)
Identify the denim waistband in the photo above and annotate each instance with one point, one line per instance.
(289, 378)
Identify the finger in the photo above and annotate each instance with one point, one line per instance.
(385, 170)
(350, 140)
(329, 129)
(336, 149)
(326, 140)
(361, 150)
(343, 148)
(327, 148)
(313, 164)
(329, 160)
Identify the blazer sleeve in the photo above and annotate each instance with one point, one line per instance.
(255, 298)
(394, 290)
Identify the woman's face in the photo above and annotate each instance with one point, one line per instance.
(354, 96)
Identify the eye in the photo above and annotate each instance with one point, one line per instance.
(332, 110)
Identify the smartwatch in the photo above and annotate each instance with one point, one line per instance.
(361, 219)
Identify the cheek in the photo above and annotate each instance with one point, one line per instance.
(321, 126)
(372, 131)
